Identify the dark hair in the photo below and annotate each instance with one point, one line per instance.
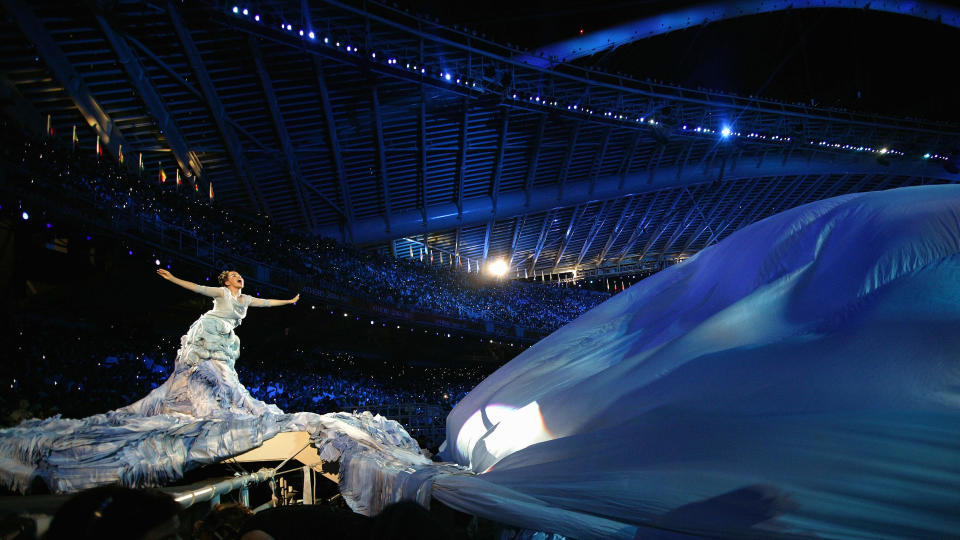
(222, 277)
(112, 512)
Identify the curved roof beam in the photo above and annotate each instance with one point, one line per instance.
(59, 64)
(482, 209)
(681, 19)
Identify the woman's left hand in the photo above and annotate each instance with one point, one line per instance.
(294, 299)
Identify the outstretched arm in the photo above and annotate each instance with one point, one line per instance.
(269, 302)
(202, 289)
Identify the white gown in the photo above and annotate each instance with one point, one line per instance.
(204, 382)
(200, 415)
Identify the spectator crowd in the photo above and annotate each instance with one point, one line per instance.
(96, 186)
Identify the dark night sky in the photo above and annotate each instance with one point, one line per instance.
(861, 60)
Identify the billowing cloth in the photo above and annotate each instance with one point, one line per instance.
(200, 415)
(802, 377)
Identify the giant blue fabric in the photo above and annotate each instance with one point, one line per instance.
(800, 377)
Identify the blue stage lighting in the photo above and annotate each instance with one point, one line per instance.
(301, 33)
(236, 9)
(725, 132)
(311, 35)
(25, 216)
(256, 18)
(245, 12)
(447, 76)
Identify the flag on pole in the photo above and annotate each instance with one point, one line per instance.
(49, 126)
(211, 191)
(140, 167)
(421, 254)
(98, 145)
(120, 154)
(468, 266)
(441, 257)
(411, 250)
(75, 139)
(431, 257)
(178, 178)
(524, 273)
(163, 175)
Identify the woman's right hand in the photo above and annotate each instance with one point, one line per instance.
(164, 273)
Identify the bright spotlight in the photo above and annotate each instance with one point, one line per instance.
(236, 9)
(25, 216)
(497, 268)
(725, 132)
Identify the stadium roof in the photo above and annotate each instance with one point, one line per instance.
(392, 130)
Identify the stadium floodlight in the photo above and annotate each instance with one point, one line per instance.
(25, 216)
(311, 35)
(497, 268)
(245, 12)
(725, 132)
(256, 18)
(236, 9)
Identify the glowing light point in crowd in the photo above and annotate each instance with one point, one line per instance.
(497, 268)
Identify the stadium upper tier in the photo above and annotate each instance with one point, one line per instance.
(40, 177)
(390, 130)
